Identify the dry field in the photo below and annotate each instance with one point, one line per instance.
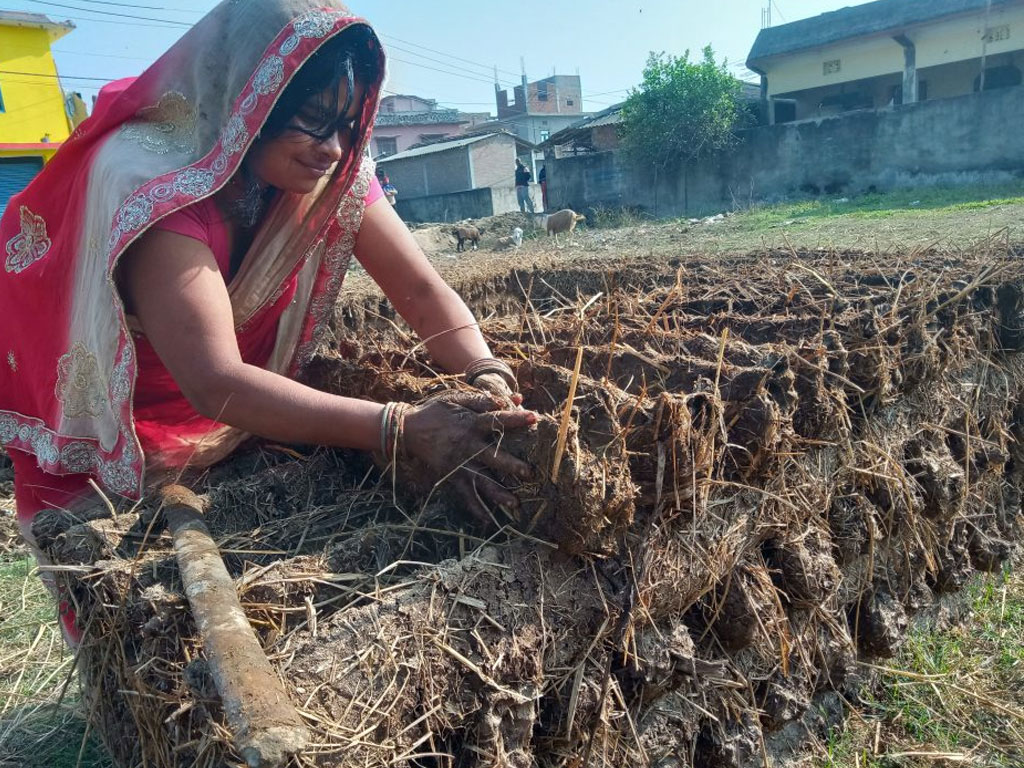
(777, 495)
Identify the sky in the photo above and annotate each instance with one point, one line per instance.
(447, 49)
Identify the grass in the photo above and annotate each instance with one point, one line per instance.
(953, 696)
(36, 730)
(898, 203)
(900, 221)
(903, 220)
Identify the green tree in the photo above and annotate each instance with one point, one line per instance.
(683, 110)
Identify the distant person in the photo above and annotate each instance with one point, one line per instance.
(389, 189)
(542, 179)
(523, 177)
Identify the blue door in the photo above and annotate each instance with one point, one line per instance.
(15, 174)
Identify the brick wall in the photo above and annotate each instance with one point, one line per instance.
(550, 96)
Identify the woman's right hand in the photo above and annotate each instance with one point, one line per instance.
(455, 436)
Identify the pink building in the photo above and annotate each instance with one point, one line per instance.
(405, 121)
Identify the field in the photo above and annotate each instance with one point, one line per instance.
(776, 524)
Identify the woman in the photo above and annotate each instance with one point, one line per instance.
(171, 271)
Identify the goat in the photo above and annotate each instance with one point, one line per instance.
(464, 233)
(515, 240)
(564, 220)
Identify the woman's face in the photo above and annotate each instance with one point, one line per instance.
(295, 161)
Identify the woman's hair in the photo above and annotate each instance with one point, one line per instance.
(352, 57)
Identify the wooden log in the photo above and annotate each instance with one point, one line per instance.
(265, 725)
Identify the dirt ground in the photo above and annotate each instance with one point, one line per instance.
(765, 482)
(894, 230)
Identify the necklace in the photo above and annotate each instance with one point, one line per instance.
(248, 207)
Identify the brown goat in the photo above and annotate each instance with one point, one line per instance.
(564, 220)
(465, 233)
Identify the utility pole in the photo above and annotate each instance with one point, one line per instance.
(984, 44)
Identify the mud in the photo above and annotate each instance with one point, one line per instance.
(772, 468)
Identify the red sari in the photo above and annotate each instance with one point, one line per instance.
(82, 394)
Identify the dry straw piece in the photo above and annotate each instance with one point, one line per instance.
(765, 469)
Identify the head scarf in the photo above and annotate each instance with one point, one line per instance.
(154, 145)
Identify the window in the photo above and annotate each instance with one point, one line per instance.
(542, 91)
(785, 111)
(569, 102)
(999, 77)
(995, 34)
(830, 67)
(386, 145)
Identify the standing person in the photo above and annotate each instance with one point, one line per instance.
(389, 189)
(542, 178)
(523, 177)
(197, 229)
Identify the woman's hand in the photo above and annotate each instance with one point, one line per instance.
(456, 436)
(495, 384)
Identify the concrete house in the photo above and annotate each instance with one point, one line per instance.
(540, 109)
(33, 117)
(458, 178)
(405, 121)
(888, 53)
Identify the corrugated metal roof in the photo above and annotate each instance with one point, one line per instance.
(609, 116)
(429, 117)
(27, 18)
(440, 146)
(857, 21)
(613, 118)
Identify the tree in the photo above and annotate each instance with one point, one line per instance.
(682, 111)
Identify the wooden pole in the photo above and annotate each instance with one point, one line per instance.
(266, 727)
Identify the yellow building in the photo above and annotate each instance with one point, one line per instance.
(888, 53)
(33, 118)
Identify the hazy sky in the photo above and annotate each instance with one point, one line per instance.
(447, 49)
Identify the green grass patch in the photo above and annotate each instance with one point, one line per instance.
(881, 205)
(36, 731)
(956, 692)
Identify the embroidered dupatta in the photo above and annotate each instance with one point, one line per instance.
(154, 145)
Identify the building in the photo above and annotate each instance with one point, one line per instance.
(597, 133)
(469, 177)
(540, 109)
(888, 53)
(405, 121)
(33, 118)
(454, 165)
